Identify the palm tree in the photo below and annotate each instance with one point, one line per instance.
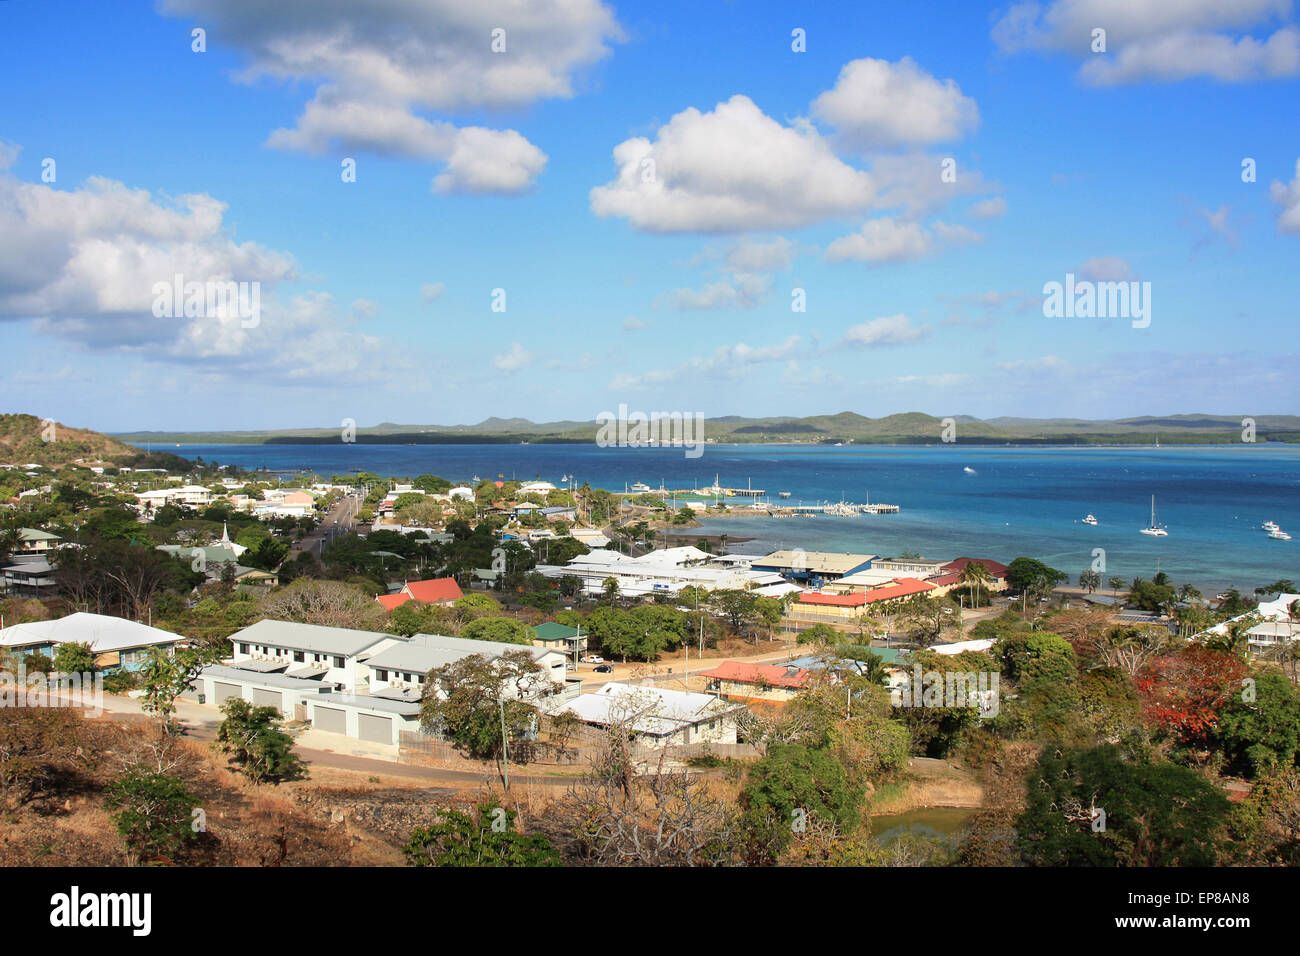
(975, 574)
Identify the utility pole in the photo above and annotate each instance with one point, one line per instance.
(505, 747)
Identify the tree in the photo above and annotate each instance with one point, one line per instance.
(154, 813)
(506, 630)
(820, 635)
(790, 784)
(976, 575)
(164, 677)
(1090, 579)
(489, 838)
(332, 603)
(255, 744)
(1033, 577)
(1156, 813)
(1261, 734)
(472, 700)
(1183, 692)
(74, 657)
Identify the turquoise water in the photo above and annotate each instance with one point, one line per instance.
(1013, 501)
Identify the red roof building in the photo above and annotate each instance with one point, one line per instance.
(770, 683)
(432, 591)
(996, 569)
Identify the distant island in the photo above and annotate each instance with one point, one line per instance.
(909, 428)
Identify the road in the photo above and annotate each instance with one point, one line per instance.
(339, 520)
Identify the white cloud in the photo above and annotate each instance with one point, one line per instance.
(377, 66)
(514, 359)
(887, 240)
(727, 361)
(729, 170)
(1287, 196)
(875, 104)
(363, 309)
(1158, 41)
(432, 292)
(751, 255)
(742, 291)
(1106, 269)
(632, 324)
(887, 330)
(82, 265)
(989, 208)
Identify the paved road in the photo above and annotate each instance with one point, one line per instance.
(340, 520)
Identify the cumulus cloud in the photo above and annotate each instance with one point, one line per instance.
(876, 104)
(1287, 196)
(377, 67)
(513, 359)
(751, 255)
(633, 324)
(887, 330)
(728, 170)
(84, 265)
(431, 292)
(886, 240)
(1158, 41)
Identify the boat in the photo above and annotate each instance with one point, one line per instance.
(1270, 526)
(969, 470)
(1277, 534)
(1090, 519)
(1153, 528)
(784, 494)
(640, 487)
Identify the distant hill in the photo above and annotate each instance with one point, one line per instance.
(25, 439)
(847, 427)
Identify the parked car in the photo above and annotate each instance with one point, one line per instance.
(604, 669)
(593, 659)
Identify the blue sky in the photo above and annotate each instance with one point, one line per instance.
(774, 170)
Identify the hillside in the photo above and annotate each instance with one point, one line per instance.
(903, 428)
(23, 440)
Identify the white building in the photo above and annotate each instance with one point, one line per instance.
(1275, 626)
(115, 641)
(659, 717)
(660, 572)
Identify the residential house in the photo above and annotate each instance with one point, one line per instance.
(430, 591)
(746, 681)
(657, 716)
(118, 644)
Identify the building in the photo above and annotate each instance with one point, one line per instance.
(812, 568)
(30, 576)
(569, 640)
(744, 681)
(997, 572)
(397, 670)
(118, 644)
(666, 572)
(430, 591)
(910, 567)
(1275, 627)
(35, 541)
(853, 604)
(312, 651)
(656, 716)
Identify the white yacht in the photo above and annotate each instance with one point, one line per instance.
(1090, 519)
(1155, 529)
(1270, 526)
(640, 487)
(1277, 534)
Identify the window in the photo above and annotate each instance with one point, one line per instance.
(381, 675)
(338, 661)
(243, 648)
(300, 657)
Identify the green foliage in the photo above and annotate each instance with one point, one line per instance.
(256, 746)
(154, 813)
(1156, 813)
(478, 696)
(74, 658)
(506, 630)
(789, 785)
(1260, 736)
(489, 838)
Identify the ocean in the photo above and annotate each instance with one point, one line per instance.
(956, 500)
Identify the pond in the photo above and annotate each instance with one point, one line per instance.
(927, 822)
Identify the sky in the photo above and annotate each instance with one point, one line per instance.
(548, 209)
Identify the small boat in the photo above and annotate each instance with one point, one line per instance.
(1155, 529)
(1270, 526)
(969, 470)
(1090, 519)
(1277, 534)
(784, 494)
(640, 487)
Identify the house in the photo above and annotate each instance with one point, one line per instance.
(398, 670)
(542, 488)
(431, 591)
(657, 716)
(35, 541)
(853, 604)
(1274, 628)
(997, 572)
(745, 681)
(118, 644)
(552, 634)
(27, 576)
(911, 567)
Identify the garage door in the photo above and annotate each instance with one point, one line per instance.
(376, 729)
(331, 719)
(268, 698)
(222, 690)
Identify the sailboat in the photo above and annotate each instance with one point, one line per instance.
(1090, 519)
(1153, 528)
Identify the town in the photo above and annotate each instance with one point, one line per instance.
(545, 648)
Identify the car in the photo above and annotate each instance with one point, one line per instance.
(593, 659)
(604, 669)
